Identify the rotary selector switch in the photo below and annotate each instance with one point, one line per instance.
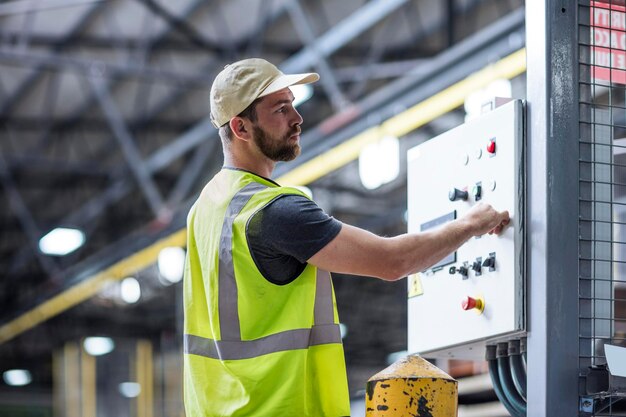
(490, 262)
(477, 267)
(455, 194)
(463, 270)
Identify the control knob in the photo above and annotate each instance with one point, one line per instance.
(461, 270)
(455, 194)
(476, 266)
(490, 262)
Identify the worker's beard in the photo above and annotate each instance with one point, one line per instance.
(277, 149)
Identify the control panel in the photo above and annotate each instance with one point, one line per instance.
(475, 294)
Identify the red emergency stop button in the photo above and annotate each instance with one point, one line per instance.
(491, 146)
(471, 303)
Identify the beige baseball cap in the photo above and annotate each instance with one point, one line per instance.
(242, 82)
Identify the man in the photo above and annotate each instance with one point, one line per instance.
(261, 326)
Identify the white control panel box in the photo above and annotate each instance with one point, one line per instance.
(476, 294)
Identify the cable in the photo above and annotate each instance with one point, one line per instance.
(506, 381)
(517, 368)
(490, 356)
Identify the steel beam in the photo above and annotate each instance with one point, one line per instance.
(127, 143)
(31, 80)
(361, 20)
(27, 30)
(120, 186)
(209, 68)
(344, 32)
(29, 6)
(475, 52)
(91, 99)
(39, 163)
(441, 77)
(329, 41)
(183, 28)
(256, 40)
(29, 225)
(204, 131)
(450, 20)
(85, 66)
(328, 80)
(377, 70)
(192, 138)
(189, 175)
(378, 46)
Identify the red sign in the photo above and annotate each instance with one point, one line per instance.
(608, 42)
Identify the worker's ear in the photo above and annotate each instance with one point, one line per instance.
(241, 128)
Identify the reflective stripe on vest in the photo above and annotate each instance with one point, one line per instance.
(278, 342)
(231, 346)
(229, 315)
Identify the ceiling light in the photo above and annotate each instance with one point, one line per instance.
(301, 93)
(379, 162)
(343, 329)
(61, 241)
(98, 346)
(171, 263)
(129, 389)
(17, 377)
(130, 290)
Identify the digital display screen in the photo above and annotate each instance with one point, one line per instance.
(450, 259)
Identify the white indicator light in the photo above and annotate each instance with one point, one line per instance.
(61, 241)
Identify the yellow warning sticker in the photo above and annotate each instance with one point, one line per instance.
(415, 285)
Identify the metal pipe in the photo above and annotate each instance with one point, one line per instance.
(30, 6)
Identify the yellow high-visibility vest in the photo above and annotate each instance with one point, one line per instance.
(251, 347)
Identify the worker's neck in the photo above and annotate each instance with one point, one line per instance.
(261, 166)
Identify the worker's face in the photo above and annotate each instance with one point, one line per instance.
(277, 130)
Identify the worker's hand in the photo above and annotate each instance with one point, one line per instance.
(482, 218)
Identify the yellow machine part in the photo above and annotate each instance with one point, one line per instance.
(411, 387)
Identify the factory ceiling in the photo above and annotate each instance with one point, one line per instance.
(103, 128)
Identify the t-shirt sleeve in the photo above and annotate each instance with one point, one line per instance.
(293, 225)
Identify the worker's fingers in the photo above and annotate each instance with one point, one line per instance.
(505, 221)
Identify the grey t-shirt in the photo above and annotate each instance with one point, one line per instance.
(286, 233)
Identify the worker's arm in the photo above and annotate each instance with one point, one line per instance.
(359, 252)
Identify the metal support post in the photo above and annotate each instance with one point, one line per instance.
(552, 154)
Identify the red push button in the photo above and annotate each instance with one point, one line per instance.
(470, 303)
(491, 146)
